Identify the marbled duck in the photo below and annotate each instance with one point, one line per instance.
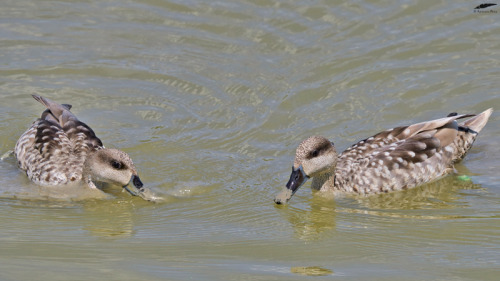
(396, 159)
(59, 149)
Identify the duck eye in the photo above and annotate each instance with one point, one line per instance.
(116, 164)
(315, 153)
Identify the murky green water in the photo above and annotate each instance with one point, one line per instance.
(211, 98)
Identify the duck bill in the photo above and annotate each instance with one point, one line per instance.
(134, 186)
(297, 179)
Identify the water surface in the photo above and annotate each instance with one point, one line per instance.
(210, 99)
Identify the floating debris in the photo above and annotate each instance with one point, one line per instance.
(464, 178)
(311, 271)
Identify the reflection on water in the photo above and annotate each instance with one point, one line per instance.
(436, 201)
(210, 98)
(314, 221)
(441, 194)
(112, 220)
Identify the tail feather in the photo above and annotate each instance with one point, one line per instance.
(56, 113)
(468, 132)
(55, 108)
(478, 122)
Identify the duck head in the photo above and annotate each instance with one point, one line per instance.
(314, 156)
(115, 167)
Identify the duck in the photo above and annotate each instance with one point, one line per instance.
(396, 159)
(58, 149)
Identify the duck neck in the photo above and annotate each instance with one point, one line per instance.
(87, 171)
(324, 181)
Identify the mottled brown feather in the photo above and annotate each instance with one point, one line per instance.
(395, 159)
(54, 149)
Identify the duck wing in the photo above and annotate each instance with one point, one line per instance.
(58, 123)
(54, 148)
(399, 158)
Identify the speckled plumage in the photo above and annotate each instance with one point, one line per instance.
(59, 149)
(395, 159)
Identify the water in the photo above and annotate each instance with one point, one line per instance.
(210, 99)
